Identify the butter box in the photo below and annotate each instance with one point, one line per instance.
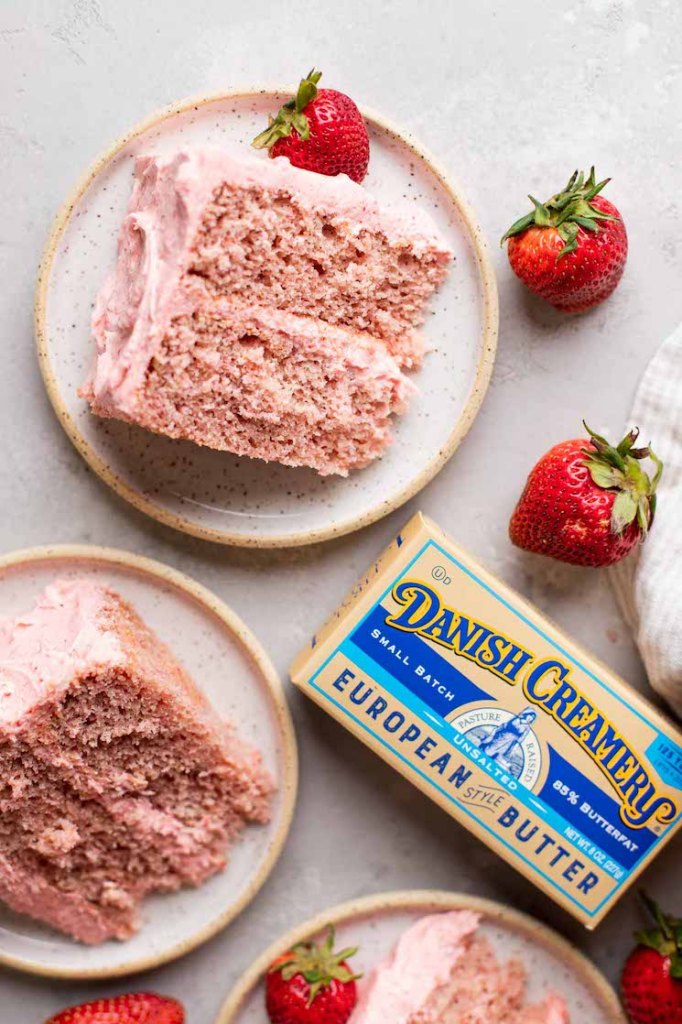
(493, 712)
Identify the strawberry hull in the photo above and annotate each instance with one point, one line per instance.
(501, 719)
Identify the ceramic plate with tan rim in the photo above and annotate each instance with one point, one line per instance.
(376, 922)
(234, 672)
(213, 494)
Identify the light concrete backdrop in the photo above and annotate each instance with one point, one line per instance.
(511, 95)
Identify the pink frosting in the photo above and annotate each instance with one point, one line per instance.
(42, 650)
(169, 195)
(419, 964)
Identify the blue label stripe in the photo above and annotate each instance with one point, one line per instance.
(603, 810)
(448, 688)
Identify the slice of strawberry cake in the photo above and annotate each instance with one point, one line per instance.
(117, 779)
(442, 972)
(263, 309)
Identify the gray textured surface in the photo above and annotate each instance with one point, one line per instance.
(510, 97)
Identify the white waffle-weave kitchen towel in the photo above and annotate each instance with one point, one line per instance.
(649, 583)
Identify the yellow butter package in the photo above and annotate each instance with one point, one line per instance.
(486, 706)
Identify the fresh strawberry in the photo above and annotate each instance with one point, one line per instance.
(311, 984)
(320, 130)
(651, 983)
(572, 249)
(587, 503)
(135, 1008)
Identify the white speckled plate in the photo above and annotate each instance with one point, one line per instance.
(240, 501)
(375, 924)
(228, 663)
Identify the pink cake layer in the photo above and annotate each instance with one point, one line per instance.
(273, 386)
(442, 972)
(117, 779)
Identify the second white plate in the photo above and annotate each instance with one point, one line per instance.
(231, 668)
(241, 501)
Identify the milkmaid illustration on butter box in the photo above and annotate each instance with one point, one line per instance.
(485, 705)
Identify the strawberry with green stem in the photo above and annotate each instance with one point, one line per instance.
(651, 982)
(319, 130)
(587, 502)
(311, 984)
(570, 250)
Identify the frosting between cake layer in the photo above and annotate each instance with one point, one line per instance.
(42, 649)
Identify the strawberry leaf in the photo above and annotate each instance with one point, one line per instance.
(606, 451)
(571, 182)
(302, 125)
(625, 446)
(623, 512)
(676, 966)
(581, 208)
(347, 953)
(604, 475)
(518, 226)
(315, 987)
(665, 937)
(649, 937)
(637, 477)
(569, 234)
(586, 223)
(307, 89)
(619, 469)
(290, 116)
(594, 188)
(541, 214)
(343, 974)
(658, 473)
(661, 919)
(600, 215)
(643, 513)
(329, 941)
